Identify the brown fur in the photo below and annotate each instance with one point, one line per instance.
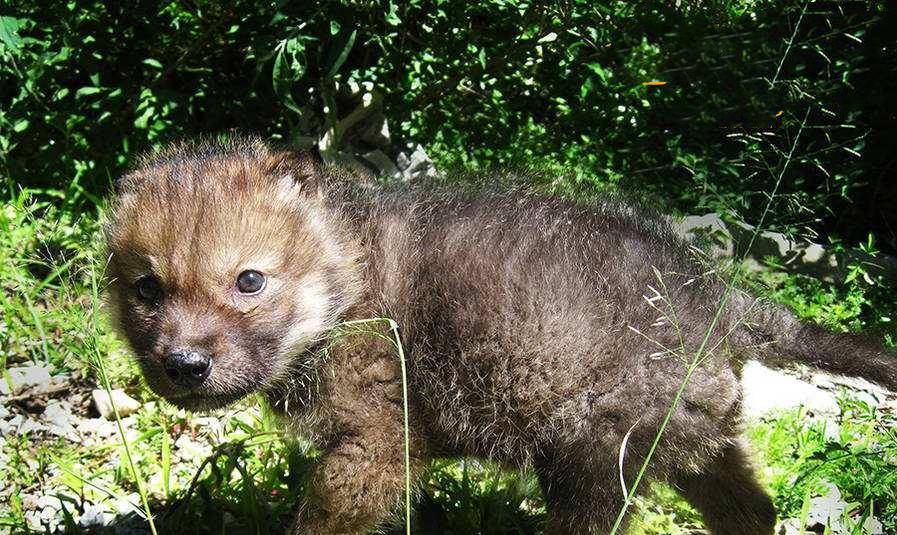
(538, 332)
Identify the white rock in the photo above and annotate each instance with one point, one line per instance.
(97, 428)
(872, 526)
(790, 526)
(827, 510)
(417, 165)
(823, 380)
(766, 390)
(889, 406)
(832, 431)
(709, 230)
(29, 501)
(859, 388)
(191, 450)
(8, 427)
(104, 403)
(26, 376)
(46, 502)
(382, 162)
(33, 520)
(59, 419)
(94, 515)
(127, 505)
(29, 426)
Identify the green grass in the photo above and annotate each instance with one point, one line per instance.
(245, 477)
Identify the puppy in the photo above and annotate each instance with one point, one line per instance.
(538, 332)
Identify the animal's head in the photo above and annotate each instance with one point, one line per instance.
(224, 266)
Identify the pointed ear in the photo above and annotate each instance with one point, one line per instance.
(295, 169)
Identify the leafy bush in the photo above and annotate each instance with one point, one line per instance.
(694, 102)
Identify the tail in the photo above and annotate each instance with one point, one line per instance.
(779, 336)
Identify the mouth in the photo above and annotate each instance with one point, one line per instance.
(194, 401)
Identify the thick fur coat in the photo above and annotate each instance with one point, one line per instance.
(538, 332)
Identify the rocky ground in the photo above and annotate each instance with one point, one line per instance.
(48, 407)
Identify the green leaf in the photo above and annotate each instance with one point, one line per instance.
(392, 17)
(344, 53)
(586, 88)
(604, 74)
(9, 33)
(154, 63)
(85, 91)
(551, 37)
(284, 73)
(143, 121)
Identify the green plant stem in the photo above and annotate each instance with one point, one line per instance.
(107, 386)
(669, 415)
(697, 360)
(394, 327)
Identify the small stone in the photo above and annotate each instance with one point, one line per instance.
(97, 427)
(823, 380)
(127, 505)
(832, 431)
(48, 503)
(861, 389)
(29, 502)
(827, 510)
(94, 515)
(29, 426)
(873, 526)
(381, 161)
(191, 450)
(8, 427)
(33, 520)
(402, 161)
(889, 406)
(790, 526)
(59, 419)
(26, 376)
(417, 165)
(104, 403)
(708, 230)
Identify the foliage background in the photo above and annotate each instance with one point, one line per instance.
(86, 85)
(702, 105)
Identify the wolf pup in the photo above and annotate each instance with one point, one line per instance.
(538, 332)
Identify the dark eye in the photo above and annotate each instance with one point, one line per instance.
(250, 282)
(149, 289)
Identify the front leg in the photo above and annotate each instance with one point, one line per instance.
(358, 485)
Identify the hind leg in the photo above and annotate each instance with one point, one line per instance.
(728, 496)
(580, 499)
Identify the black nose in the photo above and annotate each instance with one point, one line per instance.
(188, 367)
